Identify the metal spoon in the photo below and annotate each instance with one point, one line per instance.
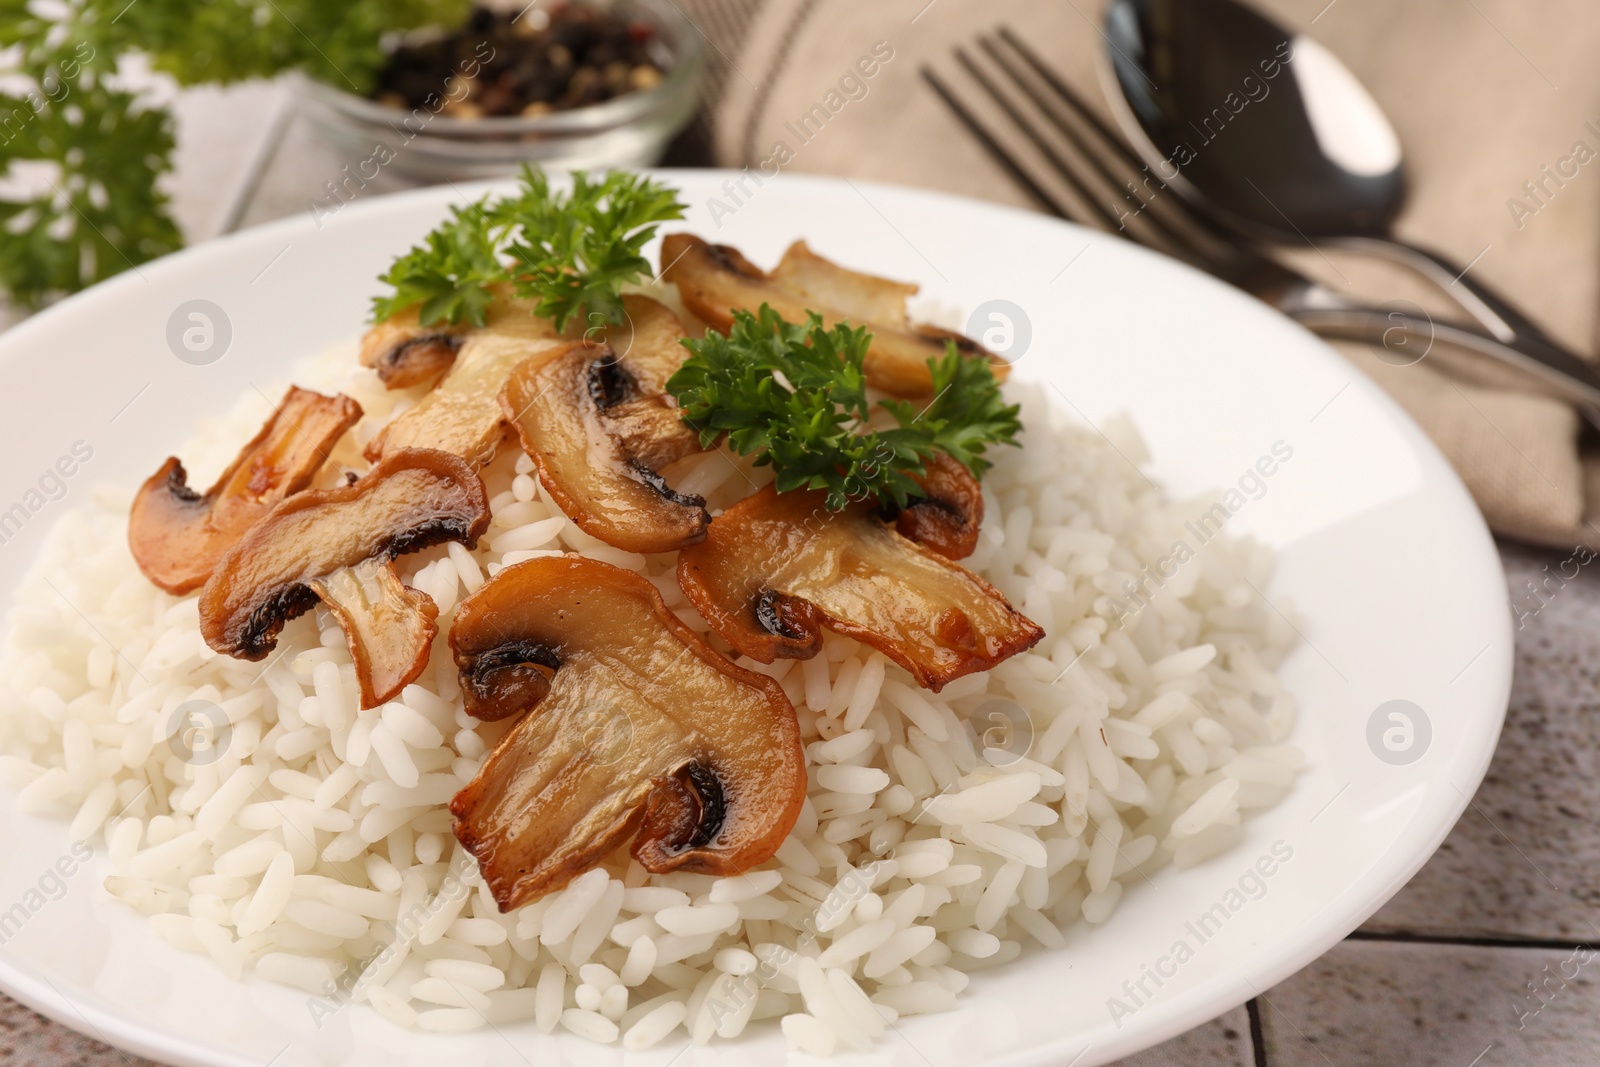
(1270, 133)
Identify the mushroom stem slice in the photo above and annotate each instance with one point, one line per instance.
(643, 732)
(598, 437)
(775, 568)
(389, 626)
(413, 499)
(462, 414)
(716, 280)
(177, 535)
(948, 516)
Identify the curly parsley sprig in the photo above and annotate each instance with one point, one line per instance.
(576, 250)
(795, 396)
(570, 252)
(449, 277)
(104, 150)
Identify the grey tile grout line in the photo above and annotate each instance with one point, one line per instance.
(1469, 941)
(1261, 998)
(1258, 1035)
(1258, 1042)
(1253, 1009)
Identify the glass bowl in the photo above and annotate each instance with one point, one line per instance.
(631, 130)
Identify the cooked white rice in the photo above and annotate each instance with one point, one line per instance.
(944, 833)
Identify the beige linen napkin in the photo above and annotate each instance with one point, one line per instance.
(1485, 95)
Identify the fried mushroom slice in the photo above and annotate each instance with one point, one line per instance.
(821, 283)
(947, 517)
(599, 425)
(639, 730)
(632, 394)
(716, 280)
(405, 353)
(389, 626)
(413, 499)
(177, 535)
(775, 568)
(603, 479)
(462, 414)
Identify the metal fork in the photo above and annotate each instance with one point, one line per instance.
(1093, 161)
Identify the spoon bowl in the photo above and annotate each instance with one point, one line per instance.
(1267, 132)
(1266, 125)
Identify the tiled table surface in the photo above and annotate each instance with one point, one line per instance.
(1442, 976)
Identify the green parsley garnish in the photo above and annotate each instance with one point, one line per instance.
(796, 397)
(103, 151)
(571, 252)
(575, 251)
(450, 273)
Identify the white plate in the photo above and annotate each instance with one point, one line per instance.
(1381, 550)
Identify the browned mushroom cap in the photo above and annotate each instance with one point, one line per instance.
(650, 338)
(462, 413)
(413, 499)
(405, 353)
(177, 535)
(598, 423)
(647, 349)
(716, 280)
(389, 626)
(640, 729)
(947, 517)
(775, 568)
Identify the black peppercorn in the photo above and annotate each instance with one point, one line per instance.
(565, 55)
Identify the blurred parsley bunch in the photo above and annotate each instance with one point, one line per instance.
(95, 152)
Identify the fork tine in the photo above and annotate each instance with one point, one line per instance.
(1071, 97)
(1018, 171)
(1063, 168)
(1066, 128)
(1164, 239)
(1115, 144)
(996, 149)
